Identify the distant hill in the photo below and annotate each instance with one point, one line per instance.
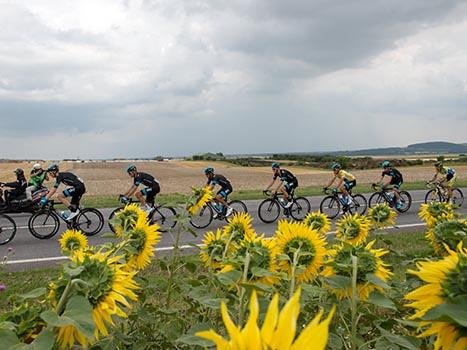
(438, 147)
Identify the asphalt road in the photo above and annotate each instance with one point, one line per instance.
(30, 252)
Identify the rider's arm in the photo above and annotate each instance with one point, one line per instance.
(339, 182)
(387, 182)
(14, 184)
(131, 191)
(279, 186)
(331, 181)
(51, 192)
(272, 183)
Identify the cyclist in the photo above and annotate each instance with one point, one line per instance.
(346, 181)
(446, 178)
(288, 183)
(224, 191)
(38, 176)
(18, 187)
(75, 190)
(148, 194)
(394, 178)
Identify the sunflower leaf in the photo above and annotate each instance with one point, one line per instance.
(403, 341)
(9, 338)
(80, 311)
(447, 312)
(377, 281)
(33, 294)
(53, 319)
(381, 300)
(339, 282)
(72, 271)
(229, 278)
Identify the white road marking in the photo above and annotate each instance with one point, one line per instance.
(160, 249)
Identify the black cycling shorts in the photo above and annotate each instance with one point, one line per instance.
(151, 192)
(224, 192)
(75, 193)
(348, 185)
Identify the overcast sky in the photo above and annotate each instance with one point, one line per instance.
(141, 78)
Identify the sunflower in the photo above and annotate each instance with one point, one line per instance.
(263, 256)
(318, 221)
(448, 233)
(199, 199)
(433, 212)
(444, 285)
(353, 229)
(381, 216)
(213, 249)
(311, 246)
(369, 263)
(108, 287)
(72, 240)
(278, 329)
(239, 228)
(126, 218)
(142, 240)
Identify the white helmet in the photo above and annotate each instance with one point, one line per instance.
(36, 166)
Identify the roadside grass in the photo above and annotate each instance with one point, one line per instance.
(107, 201)
(405, 249)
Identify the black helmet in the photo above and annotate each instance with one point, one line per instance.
(209, 170)
(52, 168)
(19, 172)
(131, 168)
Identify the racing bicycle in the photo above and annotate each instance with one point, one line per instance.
(438, 193)
(205, 215)
(162, 215)
(7, 229)
(46, 222)
(387, 196)
(332, 204)
(270, 208)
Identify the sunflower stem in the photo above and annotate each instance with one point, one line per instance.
(354, 300)
(292, 274)
(241, 308)
(64, 298)
(227, 245)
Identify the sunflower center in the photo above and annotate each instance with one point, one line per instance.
(139, 238)
(215, 249)
(455, 285)
(366, 263)
(302, 245)
(316, 222)
(351, 229)
(73, 243)
(100, 278)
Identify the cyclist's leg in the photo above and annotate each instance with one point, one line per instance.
(76, 195)
(285, 189)
(63, 197)
(450, 182)
(141, 196)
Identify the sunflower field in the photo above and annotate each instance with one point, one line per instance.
(302, 288)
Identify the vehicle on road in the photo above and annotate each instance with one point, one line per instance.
(334, 203)
(7, 229)
(386, 195)
(212, 211)
(438, 193)
(21, 204)
(162, 215)
(269, 209)
(45, 223)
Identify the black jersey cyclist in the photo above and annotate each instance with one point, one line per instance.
(224, 191)
(146, 195)
(75, 189)
(288, 182)
(392, 177)
(18, 187)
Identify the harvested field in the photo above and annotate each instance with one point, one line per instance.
(108, 178)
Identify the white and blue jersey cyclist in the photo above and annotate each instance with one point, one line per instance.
(146, 195)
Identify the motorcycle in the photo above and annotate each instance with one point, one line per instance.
(21, 204)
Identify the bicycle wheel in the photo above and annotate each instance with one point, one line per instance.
(269, 210)
(165, 217)
(7, 229)
(238, 206)
(457, 198)
(90, 221)
(300, 208)
(44, 224)
(359, 204)
(375, 199)
(432, 196)
(111, 217)
(330, 206)
(405, 201)
(203, 218)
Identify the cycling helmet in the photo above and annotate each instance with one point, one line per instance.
(131, 168)
(208, 170)
(19, 172)
(335, 166)
(385, 164)
(36, 166)
(275, 165)
(52, 168)
(438, 164)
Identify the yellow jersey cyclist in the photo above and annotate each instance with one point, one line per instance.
(148, 194)
(392, 176)
(446, 178)
(224, 191)
(345, 182)
(75, 190)
(288, 183)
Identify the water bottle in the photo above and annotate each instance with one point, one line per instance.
(65, 214)
(390, 196)
(219, 207)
